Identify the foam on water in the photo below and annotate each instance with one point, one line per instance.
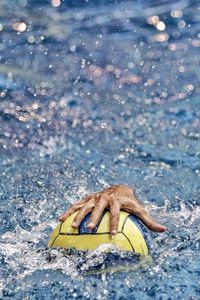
(23, 254)
(93, 95)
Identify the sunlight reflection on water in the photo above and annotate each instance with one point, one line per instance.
(92, 95)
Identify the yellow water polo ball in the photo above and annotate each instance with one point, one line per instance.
(132, 235)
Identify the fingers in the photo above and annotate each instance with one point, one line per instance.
(114, 216)
(116, 197)
(137, 209)
(82, 213)
(97, 212)
(151, 223)
(75, 207)
(70, 211)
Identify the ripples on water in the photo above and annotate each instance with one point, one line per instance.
(96, 93)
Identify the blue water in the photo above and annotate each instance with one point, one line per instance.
(94, 93)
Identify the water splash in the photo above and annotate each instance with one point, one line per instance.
(92, 97)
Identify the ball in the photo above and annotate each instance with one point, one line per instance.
(132, 235)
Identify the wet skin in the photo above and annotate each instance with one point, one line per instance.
(114, 198)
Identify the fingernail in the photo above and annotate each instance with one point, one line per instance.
(113, 232)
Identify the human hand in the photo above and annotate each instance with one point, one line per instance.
(115, 198)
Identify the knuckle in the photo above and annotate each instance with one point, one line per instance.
(92, 200)
(127, 187)
(77, 205)
(99, 205)
(73, 208)
(140, 211)
(128, 190)
(89, 205)
(111, 201)
(114, 212)
(104, 198)
(114, 219)
(150, 225)
(87, 200)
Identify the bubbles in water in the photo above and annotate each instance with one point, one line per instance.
(95, 95)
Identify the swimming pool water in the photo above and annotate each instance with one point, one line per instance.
(94, 93)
